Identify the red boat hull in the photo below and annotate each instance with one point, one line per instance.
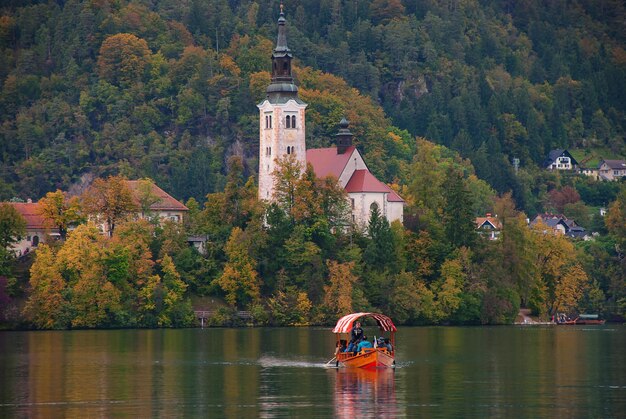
(369, 358)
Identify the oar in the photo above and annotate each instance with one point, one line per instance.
(334, 359)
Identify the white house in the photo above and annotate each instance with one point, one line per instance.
(612, 169)
(37, 230)
(560, 159)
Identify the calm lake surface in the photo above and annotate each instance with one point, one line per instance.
(538, 371)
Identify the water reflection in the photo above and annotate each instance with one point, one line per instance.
(363, 393)
(275, 373)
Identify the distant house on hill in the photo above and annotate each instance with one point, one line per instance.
(612, 169)
(560, 159)
(37, 231)
(488, 227)
(560, 224)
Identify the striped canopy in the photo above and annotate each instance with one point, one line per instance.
(344, 325)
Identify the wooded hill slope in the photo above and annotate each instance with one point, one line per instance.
(167, 89)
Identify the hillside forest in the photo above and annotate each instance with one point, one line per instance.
(441, 95)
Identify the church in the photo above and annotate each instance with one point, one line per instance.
(282, 132)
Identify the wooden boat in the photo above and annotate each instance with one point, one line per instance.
(564, 320)
(369, 358)
(589, 319)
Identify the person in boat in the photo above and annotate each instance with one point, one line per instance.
(356, 334)
(341, 346)
(363, 344)
(380, 342)
(388, 345)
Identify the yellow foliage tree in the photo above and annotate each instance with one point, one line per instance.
(338, 294)
(239, 281)
(46, 306)
(60, 211)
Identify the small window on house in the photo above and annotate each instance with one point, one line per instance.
(374, 206)
(352, 202)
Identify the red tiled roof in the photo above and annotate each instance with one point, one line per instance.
(364, 181)
(28, 210)
(326, 161)
(394, 197)
(492, 220)
(166, 201)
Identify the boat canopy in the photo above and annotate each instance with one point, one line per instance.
(344, 325)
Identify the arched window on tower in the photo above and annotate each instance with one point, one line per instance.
(285, 68)
(293, 121)
(288, 150)
(288, 121)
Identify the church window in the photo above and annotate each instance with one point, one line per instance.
(285, 68)
(293, 121)
(270, 121)
(269, 151)
(288, 121)
(288, 150)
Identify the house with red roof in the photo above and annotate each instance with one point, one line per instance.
(282, 122)
(164, 206)
(488, 226)
(37, 231)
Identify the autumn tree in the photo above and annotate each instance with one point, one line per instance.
(338, 294)
(94, 299)
(448, 289)
(109, 200)
(47, 307)
(176, 311)
(123, 59)
(60, 211)
(239, 281)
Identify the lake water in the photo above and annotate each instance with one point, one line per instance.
(538, 371)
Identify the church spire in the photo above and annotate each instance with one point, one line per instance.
(344, 136)
(282, 87)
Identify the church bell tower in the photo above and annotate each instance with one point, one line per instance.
(282, 116)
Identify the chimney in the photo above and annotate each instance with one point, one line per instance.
(344, 136)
